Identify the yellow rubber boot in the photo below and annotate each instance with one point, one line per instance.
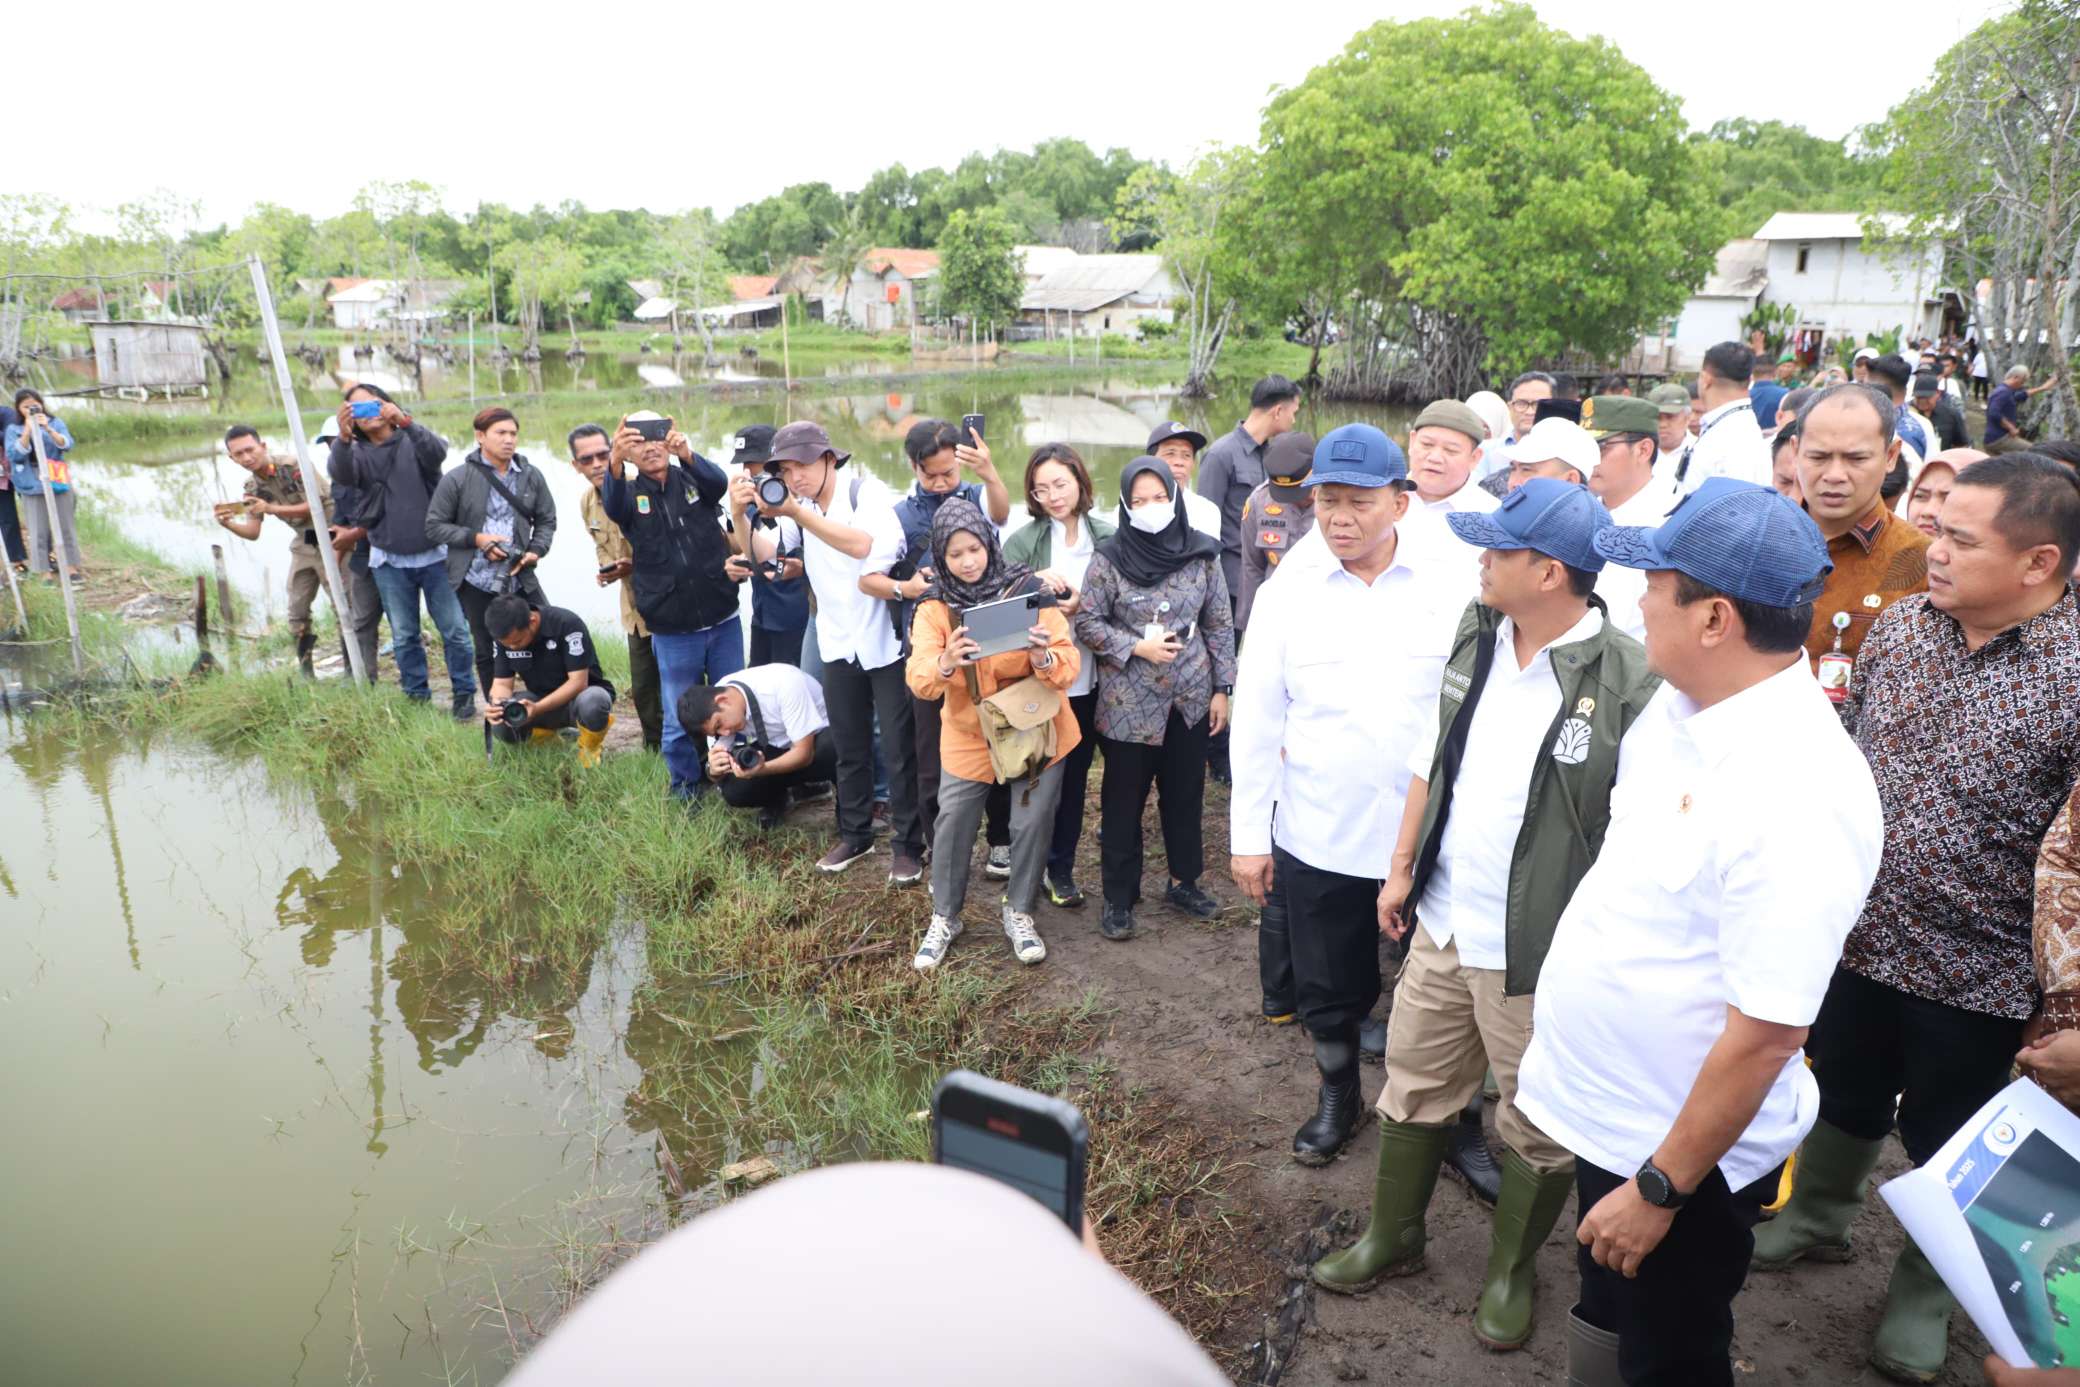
(542, 734)
(590, 742)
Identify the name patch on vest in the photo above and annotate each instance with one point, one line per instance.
(1457, 682)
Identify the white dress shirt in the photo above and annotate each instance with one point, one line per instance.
(1072, 562)
(1472, 496)
(790, 703)
(1729, 444)
(1743, 838)
(1667, 460)
(1467, 895)
(1337, 680)
(1621, 588)
(1199, 513)
(849, 624)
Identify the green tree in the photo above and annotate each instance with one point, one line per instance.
(1185, 214)
(979, 274)
(1766, 167)
(1476, 193)
(541, 270)
(1987, 156)
(694, 273)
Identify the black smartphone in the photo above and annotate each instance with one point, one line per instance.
(653, 430)
(608, 567)
(1031, 1142)
(971, 423)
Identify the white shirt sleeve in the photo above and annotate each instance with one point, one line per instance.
(1789, 901)
(880, 523)
(1257, 727)
(1422, 753)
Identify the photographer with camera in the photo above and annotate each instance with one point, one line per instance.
(768, 724)
(1020, 748)
(44, 546)
(497, 518)
(671, 512)
(768, 553)
(936, 456)
(550, 653)
(849, 531)
(589, 447)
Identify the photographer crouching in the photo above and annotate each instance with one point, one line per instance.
(767, 724)
(548, 652)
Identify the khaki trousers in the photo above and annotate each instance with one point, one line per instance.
(1449, 1023)
(306, 577)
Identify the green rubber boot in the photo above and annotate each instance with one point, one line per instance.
(1529, 1207)
(1914, 1337)
(1832, 1169)
(1392, 1244)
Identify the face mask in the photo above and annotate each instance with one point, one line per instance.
(1153, 517)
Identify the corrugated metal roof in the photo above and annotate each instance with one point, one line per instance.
(1092, 281)
(1825, 226)
(1040, 261)
(1741, 271)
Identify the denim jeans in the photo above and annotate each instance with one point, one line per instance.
(402, 589)
(694, 657)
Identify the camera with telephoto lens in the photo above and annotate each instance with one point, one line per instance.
(746, 754)
(772, 492)
(514, 711)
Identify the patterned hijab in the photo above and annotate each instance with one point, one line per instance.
(1144, 559)
(955, 514)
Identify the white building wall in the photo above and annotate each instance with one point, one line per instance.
(1852, 291)
(1705, 323)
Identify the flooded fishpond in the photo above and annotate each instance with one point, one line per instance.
(259, 1132)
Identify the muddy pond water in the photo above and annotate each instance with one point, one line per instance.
(253, 1136)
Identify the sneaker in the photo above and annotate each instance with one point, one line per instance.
(905, 869)
(1064, 892)
(999, 864)
(1117, 922)
(463, 710)
(1024, 936)
(1187, 896)
(938, 938)
(879, 822)
(843, 855)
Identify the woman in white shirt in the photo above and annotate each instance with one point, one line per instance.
(1057, 545)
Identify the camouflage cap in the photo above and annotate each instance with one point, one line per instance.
(1604, 415)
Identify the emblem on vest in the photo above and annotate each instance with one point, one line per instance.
(1571, 746)
(642, 505)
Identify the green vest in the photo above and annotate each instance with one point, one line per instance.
(1604, 683)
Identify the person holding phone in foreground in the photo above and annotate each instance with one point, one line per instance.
(946, 663)
(1155, 611)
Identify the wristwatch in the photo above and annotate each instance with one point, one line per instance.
(1657, 1189)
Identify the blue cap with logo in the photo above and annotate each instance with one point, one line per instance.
(1734, 537)
(1554, 518)
(1357, 455)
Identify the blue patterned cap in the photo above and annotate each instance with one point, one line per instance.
(1357, 455)
(1734, 537)
(1555, 518)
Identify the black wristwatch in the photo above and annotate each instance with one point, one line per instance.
(1657, 1189)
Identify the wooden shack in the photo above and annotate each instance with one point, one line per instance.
(135, 358)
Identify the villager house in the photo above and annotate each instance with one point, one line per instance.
(1100, 293)
(137, 358)
(1848, 285)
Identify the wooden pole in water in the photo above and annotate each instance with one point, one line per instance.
(786, 362)
(216, 552)
(342, 598)
(50, 501)
(14, 586)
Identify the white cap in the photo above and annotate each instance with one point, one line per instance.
(1555, 437)
(328, 428)
(643, 414)
(1865, 354)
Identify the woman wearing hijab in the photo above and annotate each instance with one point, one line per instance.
(1155, 613)
(968, 570)
(1494, 412)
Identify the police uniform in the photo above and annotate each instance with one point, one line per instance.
(1273, 521)
(561, 645)
(283, 486)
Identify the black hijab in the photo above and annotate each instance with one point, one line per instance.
(999, 579)
(1144, 559)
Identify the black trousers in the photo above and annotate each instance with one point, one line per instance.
(1880, 1054)
(1332, 924)
(1275, 951)
(777, 647)
(854, 697)
(1076, 779)
(475, 602)
(996, 808)
(1178, 769)
(646, 689)
(770, 791)
(1674, 1321)
(11, 528)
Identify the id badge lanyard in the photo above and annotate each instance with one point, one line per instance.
(1836, 664)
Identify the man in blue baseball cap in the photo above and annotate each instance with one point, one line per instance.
(1695, 952)
(1340, 671)
(1505, 813)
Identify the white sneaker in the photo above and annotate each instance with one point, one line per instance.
(999, 864)
(938, 938)
(1025, 938)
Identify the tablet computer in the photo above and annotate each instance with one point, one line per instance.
(1002, 626)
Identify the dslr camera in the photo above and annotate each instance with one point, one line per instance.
(746, 753)
(515, 713)
(772, 492)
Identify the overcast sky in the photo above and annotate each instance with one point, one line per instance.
(671, 105)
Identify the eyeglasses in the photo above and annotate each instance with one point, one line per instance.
(1056, 489)
(583, 458)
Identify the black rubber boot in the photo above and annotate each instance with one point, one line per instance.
(1339, 1106)
(305, 644)
(1372, 1040)
(1471, 1157)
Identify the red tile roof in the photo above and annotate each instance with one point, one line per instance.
(76, 298)
(742, 287)
(908, 263)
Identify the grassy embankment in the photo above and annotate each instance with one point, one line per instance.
(546, 858)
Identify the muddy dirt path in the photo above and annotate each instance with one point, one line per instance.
(1184, 1003)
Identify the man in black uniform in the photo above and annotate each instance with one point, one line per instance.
(549, 651)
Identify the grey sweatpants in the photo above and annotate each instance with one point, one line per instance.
(41, 551)
(960, 815)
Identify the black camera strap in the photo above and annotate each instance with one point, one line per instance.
(758, 720)
(491, 476)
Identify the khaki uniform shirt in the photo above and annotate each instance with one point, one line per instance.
(1272, 523)
(284, 487)
(612, 547)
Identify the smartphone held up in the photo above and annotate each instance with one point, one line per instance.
(1033, 1143)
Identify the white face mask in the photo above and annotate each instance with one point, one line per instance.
(1152, 517)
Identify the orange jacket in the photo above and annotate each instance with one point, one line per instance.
(962, 751)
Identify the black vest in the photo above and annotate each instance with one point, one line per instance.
(679, 551)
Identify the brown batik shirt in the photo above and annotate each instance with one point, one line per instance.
(1878, 561)
(1974, 752)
